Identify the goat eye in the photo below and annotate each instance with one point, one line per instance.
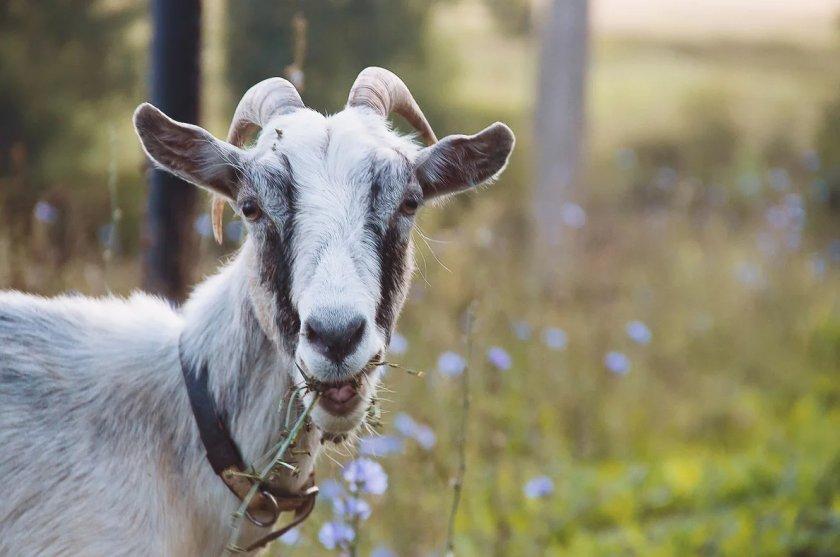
(409, 206)
(251, 210)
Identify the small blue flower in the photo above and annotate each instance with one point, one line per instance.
(381, 445)
(818, 265)
(638, 332)
(336, 534)
(522, 330)
(383, 551)
(331, 489)
(573, 215)
(541, 486)
(617, 363)
(234, 230)
(451, 364)
(203, 226)
(779, 178)
(45, 212)
(555, 338)
(749, 274)
(398, 345)
(499, 357)
(408, 427)
(351, 507)
(291, 537)
(367, 476)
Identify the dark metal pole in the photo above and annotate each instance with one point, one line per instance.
(168, 236)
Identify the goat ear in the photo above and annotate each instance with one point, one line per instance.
(457, 163)
(188, 151)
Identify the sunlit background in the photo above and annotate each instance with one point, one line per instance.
(665, 380)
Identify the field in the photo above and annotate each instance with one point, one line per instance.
(676, 389)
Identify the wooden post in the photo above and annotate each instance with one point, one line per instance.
(175, 63)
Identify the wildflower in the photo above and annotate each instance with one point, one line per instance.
(617, 363)
(398, 345)
(381, 445)
(749, 274)
(203, 226)
(366, 476)
(522, 330)
(423, 434)
(451, 364)
(383, 551)
(811, 160)
(233, 230)
(336, 534)
(555, 338)
(499, 357)
(541, 486)
(779, 178)
(45, 212)
(291, 537)
(331, 489)
(638, 332)
(818, 265)
(351, 507)
(573, 215)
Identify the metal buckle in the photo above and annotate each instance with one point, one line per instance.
(275, 511)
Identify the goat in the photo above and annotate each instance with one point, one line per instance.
(101, 454)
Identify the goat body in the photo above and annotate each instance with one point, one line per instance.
(100, 451)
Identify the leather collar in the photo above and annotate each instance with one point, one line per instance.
(225, 458)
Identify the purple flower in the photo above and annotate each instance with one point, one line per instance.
(499, 357)
(451, 364)
(779, 178)
(366, 476)
(234, 229)
(408, 427)
(331, 489)
(573, 215)
(541, 486)
(638, 332)
(351, 508)
(398, 345)
(749, 274)
(291, 537)
(381, 445)
(336, 534)
(203, 226)
(522, 330)
(383, 551)
(45, 212)
(617, 363)
(555, 338)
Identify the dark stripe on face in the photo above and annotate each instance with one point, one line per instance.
(277, 261)
(391, 241)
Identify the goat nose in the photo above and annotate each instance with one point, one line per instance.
(335, 337)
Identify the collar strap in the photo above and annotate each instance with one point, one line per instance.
(226, 460)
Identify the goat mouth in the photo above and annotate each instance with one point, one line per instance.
(343, 396)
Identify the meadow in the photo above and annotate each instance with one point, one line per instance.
(674, 389)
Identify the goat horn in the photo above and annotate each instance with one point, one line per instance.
(383, 92)
(259, 104)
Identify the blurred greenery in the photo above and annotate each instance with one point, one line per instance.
(711, 215)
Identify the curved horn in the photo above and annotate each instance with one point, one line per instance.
(383, 92)
(259, 104)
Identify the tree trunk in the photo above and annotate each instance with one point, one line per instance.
(560, 118)
(168, 236)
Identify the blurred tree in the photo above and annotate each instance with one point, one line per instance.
(56, 63)
(343, 37)
(560, 115)
(175, 90)
(512, 16)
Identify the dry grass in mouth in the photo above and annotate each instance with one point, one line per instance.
(317, 386)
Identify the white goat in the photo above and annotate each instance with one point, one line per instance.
(99, 449)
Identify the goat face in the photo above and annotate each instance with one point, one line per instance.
(329, 204)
